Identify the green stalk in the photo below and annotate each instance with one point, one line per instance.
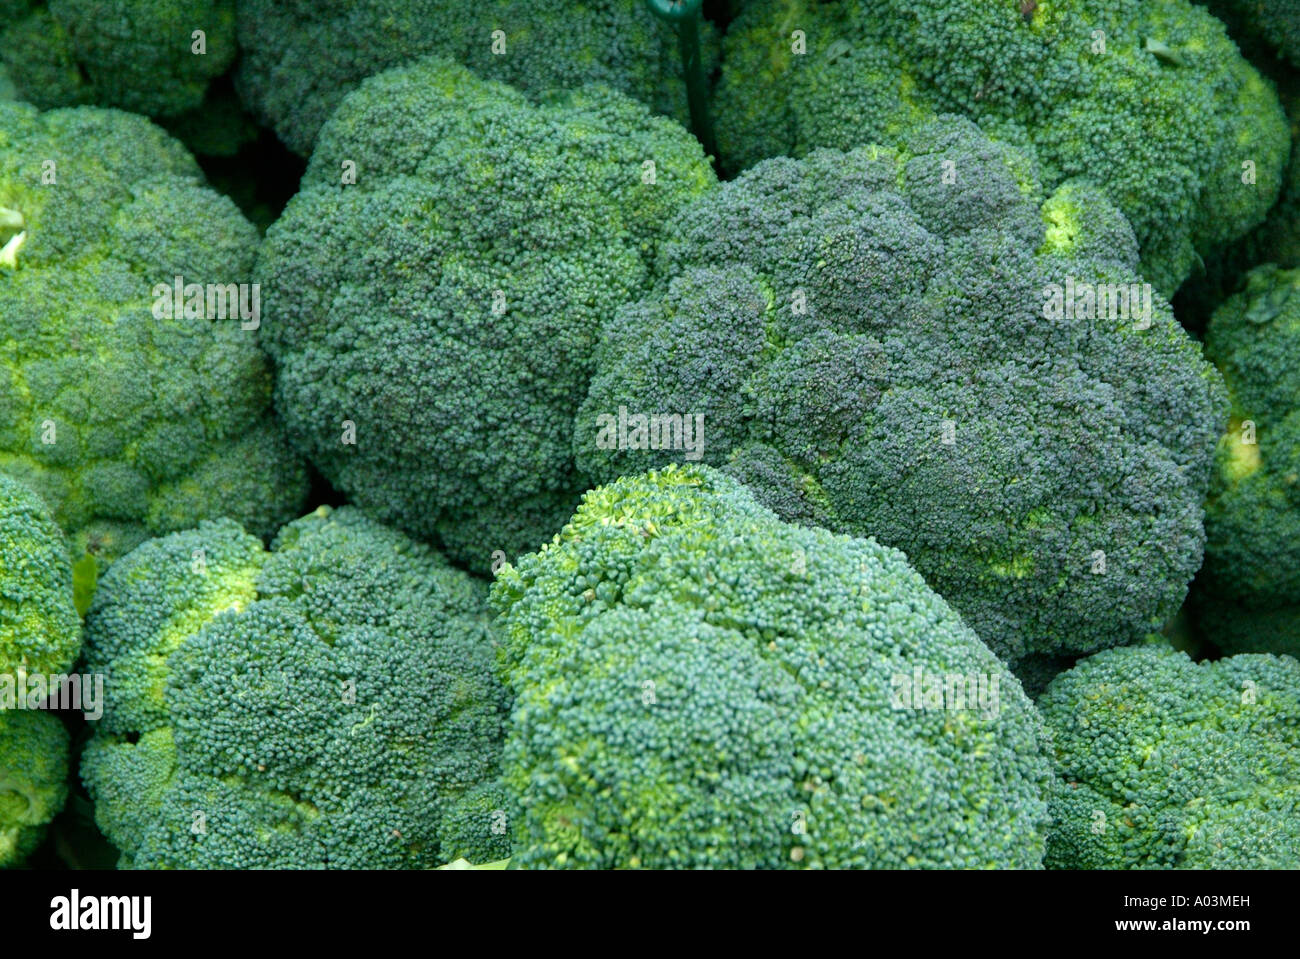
(684, 15)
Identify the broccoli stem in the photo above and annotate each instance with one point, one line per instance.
(684, 15)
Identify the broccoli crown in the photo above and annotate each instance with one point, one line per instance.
(872, 342)
(323, 704)
(125, 407)
(1273, 22)
(40, 631)
(33, 779)
(433, 321)
(1249, 587)
(1151, 100)
(699, 684)
(1168, 763)
(534, 45)
(155, 57)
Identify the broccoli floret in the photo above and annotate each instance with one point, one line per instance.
(130, 411)
(1150, 100)
(869, 340)
(1275, 23)
(533, 45)
(433, 322)
(33, 779)
(1248, 592)
(1168, 763)
(40, 631)
(138, 55)
(701, 685)
(324, 704)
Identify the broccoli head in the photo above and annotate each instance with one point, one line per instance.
(329, 703)
(533, 45)
(131, 410)
(1275, 23)
(436, 288)
(699, 684)
(1153, 101)
(1248, 593)
(40, 631)
(1165, 763)
(918, 346)
(33, 779)
(155, 57)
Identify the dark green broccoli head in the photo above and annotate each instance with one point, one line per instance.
(128, 416)
(433, 321)
(155, 57)
(1275, 23)
(40, 631)
(1168, 763)
(1249, 588)
(699, 684)
(1151, 100)
(300, 58)
(869, 340)
(33, 779)
(324, 704)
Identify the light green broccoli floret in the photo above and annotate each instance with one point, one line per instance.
(870, 340)
(1165, 763)
(40, 631)
(330, 703)
(154, 57)
(534, 45)
(433, 322)
(699, 684)
(131, 414)
(33, 779)
(1151, 100)
(1248, 592)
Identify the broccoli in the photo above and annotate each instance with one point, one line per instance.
(1167, 763)
(531, 44)
(1151, 100)
(433, 322)
(40, 631)
(1275, 23)
(331, 703)
(1248, 593)
(155, 57)
(33, 780)
(699, 684)
(127, 410)
(868, 339)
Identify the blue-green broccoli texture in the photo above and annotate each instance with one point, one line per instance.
(1166, 763)
(919, 346)
(699, 684)
(330, 703)
(40, 631)
(131, 413)
(535, 45)
(137, 55)
(1248, 592)
(33, 780)
(433, 322)
(1151, 100)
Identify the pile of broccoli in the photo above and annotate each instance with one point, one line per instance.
(747, 434)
